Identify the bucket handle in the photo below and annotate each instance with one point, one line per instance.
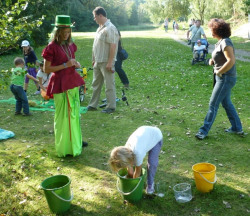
(71, 198)
(128, 193)
(215, 179)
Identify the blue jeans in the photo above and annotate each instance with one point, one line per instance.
(120, 71)
(198, 54)
(21, 99)
(153, 159)
(221, 94)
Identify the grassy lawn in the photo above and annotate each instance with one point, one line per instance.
(166, 91)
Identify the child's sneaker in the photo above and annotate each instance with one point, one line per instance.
(150, 189)
(37, 92)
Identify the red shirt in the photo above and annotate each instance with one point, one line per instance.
(64, 79)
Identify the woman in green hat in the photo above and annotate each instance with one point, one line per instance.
(59, 58)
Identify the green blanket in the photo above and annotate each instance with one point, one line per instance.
(40, 105)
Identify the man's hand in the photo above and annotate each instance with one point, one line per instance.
(109, 67)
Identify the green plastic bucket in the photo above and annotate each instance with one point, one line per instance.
(131, 189)
(57, 193)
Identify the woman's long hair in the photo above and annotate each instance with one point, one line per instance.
(57, 35)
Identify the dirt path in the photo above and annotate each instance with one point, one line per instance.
(181, 38)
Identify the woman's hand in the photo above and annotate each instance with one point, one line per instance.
(217, 73)
(78, 65)
(211, 62)
(71, 63)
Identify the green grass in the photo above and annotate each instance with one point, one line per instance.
(166, 91)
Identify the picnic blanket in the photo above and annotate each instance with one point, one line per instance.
(4, 134)
(37, 105)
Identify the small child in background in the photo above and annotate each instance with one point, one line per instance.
(16, 87)
(43, 81)
(145, 139)
(30, 63)
(199, 50)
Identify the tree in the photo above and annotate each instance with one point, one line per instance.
(159, 9)
(13, 26)
(198, 9)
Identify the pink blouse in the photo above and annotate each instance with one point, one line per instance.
(64, 79)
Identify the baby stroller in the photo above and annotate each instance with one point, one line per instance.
(199, 57)
(82, 90)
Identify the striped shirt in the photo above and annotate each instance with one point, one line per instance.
(105, 35)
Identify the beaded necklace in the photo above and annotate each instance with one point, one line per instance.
(67, 51)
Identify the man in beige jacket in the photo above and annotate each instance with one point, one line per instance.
(104, 57)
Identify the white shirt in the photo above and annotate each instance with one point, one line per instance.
(105, 35)
(45, 77)
(142, 140)
(198, 48)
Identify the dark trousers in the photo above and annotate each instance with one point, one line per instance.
(120, 71)
(21, 99)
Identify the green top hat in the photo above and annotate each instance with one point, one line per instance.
(63, 21)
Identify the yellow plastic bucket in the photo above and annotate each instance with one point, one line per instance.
(204, 176)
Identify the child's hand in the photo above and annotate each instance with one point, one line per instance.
(130, 172)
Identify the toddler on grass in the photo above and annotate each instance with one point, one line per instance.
(16, 87)
(145, 139)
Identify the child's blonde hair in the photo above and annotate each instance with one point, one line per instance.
(121, 157)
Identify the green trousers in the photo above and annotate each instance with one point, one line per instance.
(68, 136)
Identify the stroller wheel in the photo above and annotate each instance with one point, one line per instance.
(193, 61)
(81, 93)
(206, 62)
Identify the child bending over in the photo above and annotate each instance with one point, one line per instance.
(145, 139)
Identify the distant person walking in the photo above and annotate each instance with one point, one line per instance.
(223, 61)
(173, 24)
(104, 56)
(192, 22)
(166, 24)
(196, 33)
(176, 27)
(118, 65)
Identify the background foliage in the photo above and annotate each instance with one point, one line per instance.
(31, 19)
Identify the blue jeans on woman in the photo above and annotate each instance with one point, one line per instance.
(21, 99)
(120, 71)
(221, 94)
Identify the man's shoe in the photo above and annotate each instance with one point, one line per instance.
(126, 86)
(84, 144)
(108, 110)
(150, 189)
(90, 108)
(200, 135)
(18, 113)
(27, 114)
(229, 130)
